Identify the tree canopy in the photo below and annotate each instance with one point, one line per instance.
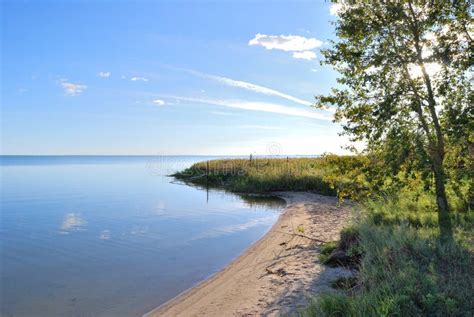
(406, 86)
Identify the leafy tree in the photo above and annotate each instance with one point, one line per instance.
(406, 84)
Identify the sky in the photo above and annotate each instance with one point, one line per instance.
(166, 78)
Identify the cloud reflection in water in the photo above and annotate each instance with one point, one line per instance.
(72, 222)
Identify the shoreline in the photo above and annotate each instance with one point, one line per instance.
(278, 273)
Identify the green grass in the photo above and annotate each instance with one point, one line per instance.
(326, 250)
(345, 283)
(404, 270)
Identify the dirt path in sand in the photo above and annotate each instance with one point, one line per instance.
(278, 273)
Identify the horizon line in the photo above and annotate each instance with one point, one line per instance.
(138, 155)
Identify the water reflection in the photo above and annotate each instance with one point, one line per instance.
(105, 235)
(139, 230)
(72, 222)
(230, 229)
(143, 239)
(251, 200)
(159, 209)
(263, 201)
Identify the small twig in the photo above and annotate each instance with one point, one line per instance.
(279, 272)
(303, 236)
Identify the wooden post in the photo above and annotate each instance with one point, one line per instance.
(288, 164)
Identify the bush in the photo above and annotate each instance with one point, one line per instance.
(346, 252)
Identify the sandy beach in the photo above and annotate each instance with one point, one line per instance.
(276, 275)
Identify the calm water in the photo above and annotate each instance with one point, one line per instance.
(113, 236)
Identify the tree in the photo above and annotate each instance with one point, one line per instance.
(406, 82)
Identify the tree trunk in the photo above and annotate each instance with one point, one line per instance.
(444, 220)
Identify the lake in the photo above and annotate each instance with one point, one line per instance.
(114, 236)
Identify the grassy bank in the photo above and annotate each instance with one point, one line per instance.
(402, 268)
(327, 175)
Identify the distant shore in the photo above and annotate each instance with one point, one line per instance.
(278, 273)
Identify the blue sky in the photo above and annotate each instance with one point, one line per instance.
(155, 77)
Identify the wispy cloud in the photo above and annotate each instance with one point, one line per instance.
(308, 55)
(221, 113)
(71, 89)
(159, 102)
(258, 127)
(104, 74)
(139, 79)
(249, 86)
(258, 106)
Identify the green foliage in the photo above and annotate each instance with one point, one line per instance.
(406, 91)
(350, 238)
(384, 53)
(346, 252)
(326, 249)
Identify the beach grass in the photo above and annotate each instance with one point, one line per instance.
(327, 175)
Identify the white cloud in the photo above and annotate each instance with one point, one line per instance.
(123, 77)
(139, 79)
(287, 43)
(259, 106)
(335, 8)
(159, 102)
(104, 74)
(250, 86)
(71, 89)
(308, 55)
